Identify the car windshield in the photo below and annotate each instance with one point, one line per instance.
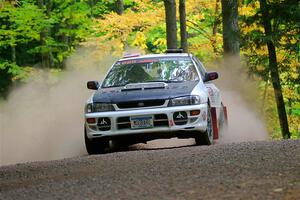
(167, 69)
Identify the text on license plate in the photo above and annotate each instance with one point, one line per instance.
(141, 122)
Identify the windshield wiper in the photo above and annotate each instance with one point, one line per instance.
(149, 81)
(173, 81)
(119, 85)
(165, 81)
(111, 86)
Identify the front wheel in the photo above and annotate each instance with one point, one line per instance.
(95, 146)
(207, 137)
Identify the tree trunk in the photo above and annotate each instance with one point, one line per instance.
(274, 71)
(44, 55)
(50, 55)
(215, 27)
(183, 33)
(231, 42)
(120, 7)
(171, 26)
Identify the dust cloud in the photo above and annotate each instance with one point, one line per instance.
(44, 121)
(240, 95)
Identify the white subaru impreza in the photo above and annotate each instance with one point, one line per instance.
(155, 96)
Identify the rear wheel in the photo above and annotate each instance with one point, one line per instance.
(95, 146)
(207, 137)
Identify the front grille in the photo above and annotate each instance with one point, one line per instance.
(123, 123)
(160, 120)
(141, 104)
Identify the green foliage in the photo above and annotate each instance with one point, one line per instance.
(156, 42)
(32, 34)
(7, 71)
(99, 8)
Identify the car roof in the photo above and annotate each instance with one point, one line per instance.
(133, 57)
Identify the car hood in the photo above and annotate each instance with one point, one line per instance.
(120, 94)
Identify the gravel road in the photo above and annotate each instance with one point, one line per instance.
(249, 170)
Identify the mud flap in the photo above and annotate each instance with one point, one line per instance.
(214, 122)
(225, 115)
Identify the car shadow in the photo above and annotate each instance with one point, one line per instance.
(161, 144)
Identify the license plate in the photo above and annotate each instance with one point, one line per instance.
(140, 122)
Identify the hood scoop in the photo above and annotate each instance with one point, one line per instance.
(144, 86)
(130, 89)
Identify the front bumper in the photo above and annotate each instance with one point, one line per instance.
(163, 122)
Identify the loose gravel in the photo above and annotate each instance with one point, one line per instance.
(249, 170)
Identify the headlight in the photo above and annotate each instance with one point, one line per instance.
(98, 107)
(187, 100)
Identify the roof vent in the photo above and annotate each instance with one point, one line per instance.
(174, 51)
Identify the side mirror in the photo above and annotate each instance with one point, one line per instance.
(209, 76)
(93, 85)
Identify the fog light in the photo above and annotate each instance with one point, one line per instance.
(93, 127)
(91, 120)
(194, 112)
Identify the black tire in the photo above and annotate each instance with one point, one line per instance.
(206, 138)
(95, 146)
(119, 145)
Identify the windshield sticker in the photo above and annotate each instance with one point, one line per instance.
(174, 59)
(149, 60)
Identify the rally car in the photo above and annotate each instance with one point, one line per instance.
(147, 97)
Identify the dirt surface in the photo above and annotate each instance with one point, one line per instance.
(249, 170)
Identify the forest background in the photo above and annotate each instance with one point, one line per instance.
(39, 35)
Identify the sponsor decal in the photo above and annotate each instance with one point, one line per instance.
(127, 62)
(148, 60)
(210, 91)
(171, 123)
